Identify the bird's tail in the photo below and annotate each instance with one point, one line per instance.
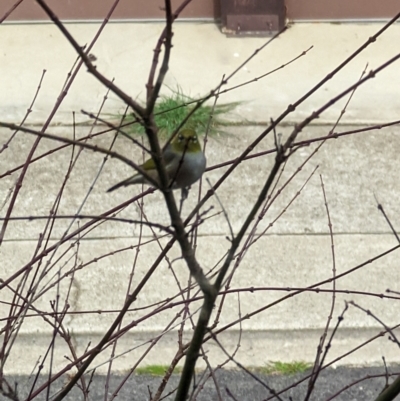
(131, 180)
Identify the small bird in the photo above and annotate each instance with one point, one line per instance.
(184, 161)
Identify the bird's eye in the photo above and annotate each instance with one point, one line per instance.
(180, 137)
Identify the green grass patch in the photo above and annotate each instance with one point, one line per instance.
(155, 370)
(170, 110)
(283, 368)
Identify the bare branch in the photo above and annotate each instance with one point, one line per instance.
(91, 68)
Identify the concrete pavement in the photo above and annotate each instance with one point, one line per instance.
(294, 252)
(201, 56)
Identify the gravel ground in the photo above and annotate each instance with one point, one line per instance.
(330, 385)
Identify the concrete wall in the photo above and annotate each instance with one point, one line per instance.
(294, 252)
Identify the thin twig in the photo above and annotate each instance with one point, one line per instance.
(117, 128)
(28, 111)
(380, 208)
(83, 145)
(136, 107)
(386, 327)
(305, 143)
(318, 361)
(48, 121)
(10, 11)
(239, 365)
(223, 210)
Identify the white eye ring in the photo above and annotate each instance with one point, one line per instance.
(180, 137)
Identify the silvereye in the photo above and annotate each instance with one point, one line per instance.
(184, 161)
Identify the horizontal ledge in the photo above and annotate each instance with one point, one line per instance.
(209, 20)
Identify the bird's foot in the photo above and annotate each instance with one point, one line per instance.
(184, 195)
